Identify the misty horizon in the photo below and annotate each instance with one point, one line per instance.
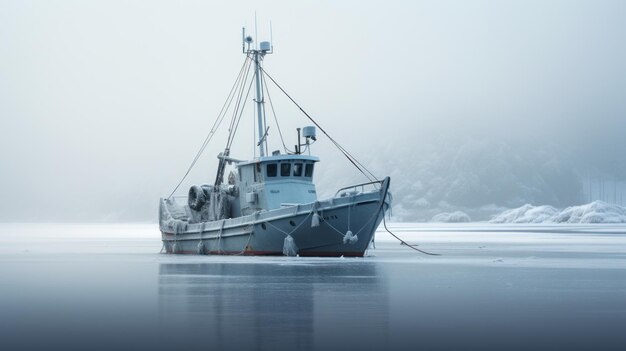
(465, 104)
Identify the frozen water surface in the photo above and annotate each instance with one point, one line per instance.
(495, 287)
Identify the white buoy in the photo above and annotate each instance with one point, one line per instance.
(289, 247)
(315, 221)
(350, 238)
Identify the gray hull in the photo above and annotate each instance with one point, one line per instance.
(265, 233)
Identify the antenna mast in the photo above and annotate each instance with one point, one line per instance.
(258, 53)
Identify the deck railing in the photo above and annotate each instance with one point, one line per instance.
(375, 184)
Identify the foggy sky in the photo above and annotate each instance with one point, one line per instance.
(103, 104)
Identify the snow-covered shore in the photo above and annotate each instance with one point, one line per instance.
(451, 217)
(594, 212)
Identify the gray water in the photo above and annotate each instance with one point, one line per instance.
(493, 287)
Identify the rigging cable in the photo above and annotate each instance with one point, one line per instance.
(351, 158)
(216, 124)
(241, 111)
(234, 124)
(345, 152)
(237, 105)
(269, 97)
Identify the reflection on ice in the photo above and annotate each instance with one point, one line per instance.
(268, 306)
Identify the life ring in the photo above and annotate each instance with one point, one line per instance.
(196, 198)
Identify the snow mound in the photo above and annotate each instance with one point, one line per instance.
(526, 214)
(595, 212)
(451, 217)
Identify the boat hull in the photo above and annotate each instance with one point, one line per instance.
(265, 233)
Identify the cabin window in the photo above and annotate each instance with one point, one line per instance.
(271, 170)
(297, 169)
(308, 170)
(285, 169)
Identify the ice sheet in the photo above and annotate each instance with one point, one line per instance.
(494, 287)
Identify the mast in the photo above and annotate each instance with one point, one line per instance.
(259, 102)
(257, 54)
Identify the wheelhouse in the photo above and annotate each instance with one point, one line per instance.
(276, 181)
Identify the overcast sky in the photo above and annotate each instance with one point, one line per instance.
(103, 104)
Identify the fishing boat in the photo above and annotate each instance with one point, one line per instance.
(268, 205)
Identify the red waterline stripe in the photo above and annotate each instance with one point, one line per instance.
(330, 254)
(274, 253)
(245, 253)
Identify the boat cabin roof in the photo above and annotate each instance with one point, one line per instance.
(279, 158)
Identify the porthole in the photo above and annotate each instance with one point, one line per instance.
(263, 226)
(293, 224)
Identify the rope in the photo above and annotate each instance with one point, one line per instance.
(219, 237)
(404, 242)
(242, 250)
(358, 231)
(349, 207)
(387, 229)
(295, 228)
(247, 243)
(219, 244)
